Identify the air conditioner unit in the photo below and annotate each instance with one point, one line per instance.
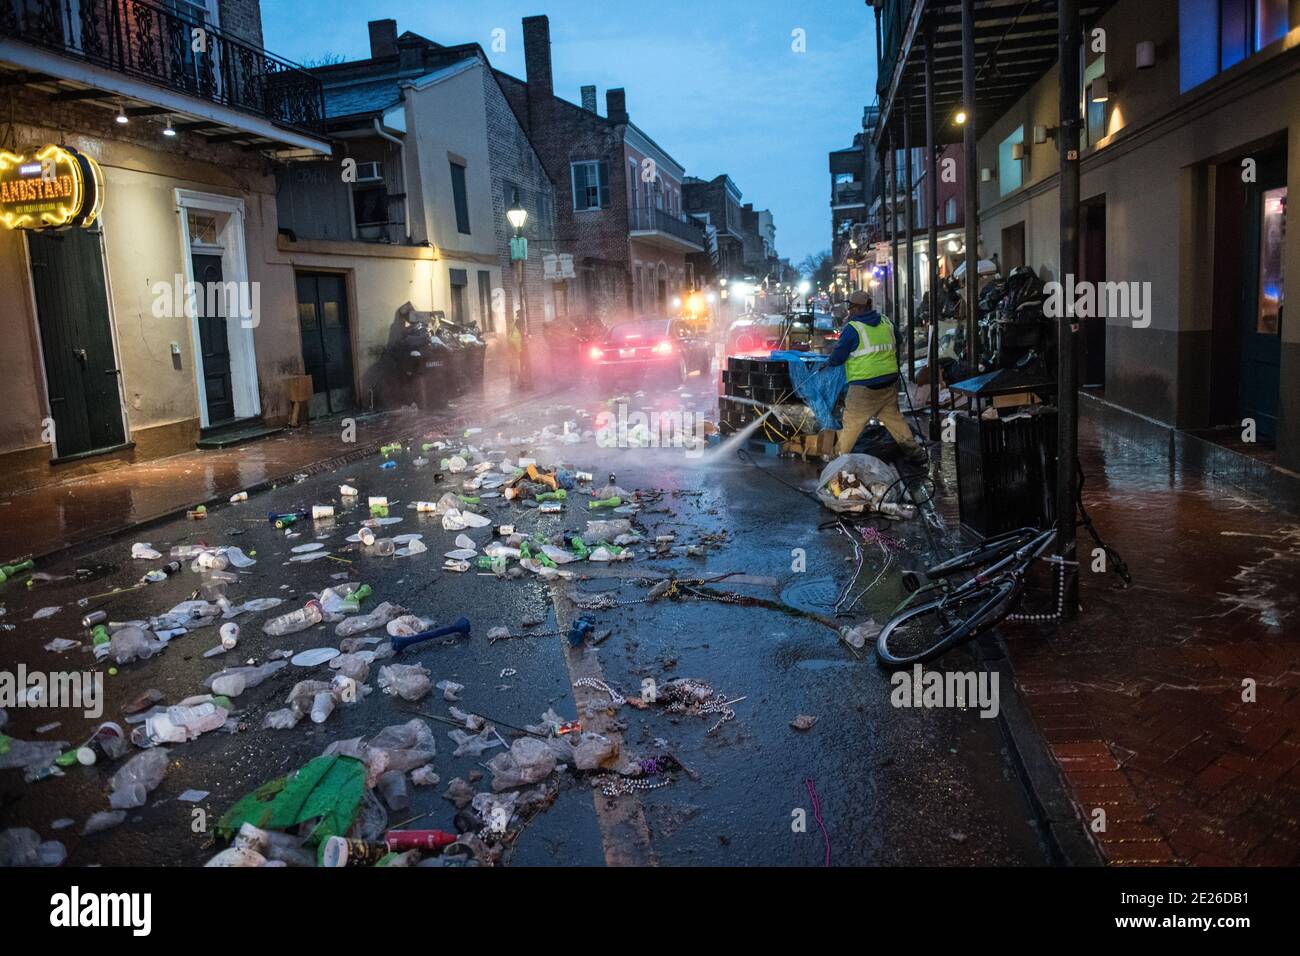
(370, 172)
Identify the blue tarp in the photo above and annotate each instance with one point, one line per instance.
(817, 387)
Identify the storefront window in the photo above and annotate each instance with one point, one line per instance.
(1272, 240)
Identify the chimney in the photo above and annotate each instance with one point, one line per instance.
(616, 105)
(537, 68)
(383, 38)
(589, 99)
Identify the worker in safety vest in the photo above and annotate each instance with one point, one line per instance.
(868, 351)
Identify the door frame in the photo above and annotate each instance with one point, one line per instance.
(111, 317)
(348, 275)
(234, 268)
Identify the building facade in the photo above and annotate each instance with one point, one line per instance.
(618, 206)
(161, 316)
(1191, 140)
(437, 157)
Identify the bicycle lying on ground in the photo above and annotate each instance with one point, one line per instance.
(919, 632)
(923, 631)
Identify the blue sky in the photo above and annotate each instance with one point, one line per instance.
(714, 82)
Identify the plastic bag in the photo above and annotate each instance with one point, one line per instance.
(137, 778)
(407, 681)
(527, 761)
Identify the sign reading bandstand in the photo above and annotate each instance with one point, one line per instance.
(51, 187)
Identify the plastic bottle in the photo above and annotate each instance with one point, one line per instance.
(613, 502)
(559, 495)
(294, 621)
(353, 601)
(579, 548)
(13, 570)
(322, 705)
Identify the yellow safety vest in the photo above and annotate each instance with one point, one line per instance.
(874, 355)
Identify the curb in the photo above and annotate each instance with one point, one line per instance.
(1067, 840)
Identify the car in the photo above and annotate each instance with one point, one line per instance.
(665, 349)
(759, 333)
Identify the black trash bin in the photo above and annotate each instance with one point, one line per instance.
(1006, 471)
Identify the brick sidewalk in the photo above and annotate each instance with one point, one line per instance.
(1141, 699)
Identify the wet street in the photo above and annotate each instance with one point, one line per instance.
(893, 785)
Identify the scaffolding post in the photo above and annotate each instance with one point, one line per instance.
(972, 182)
(1069, 39)
(932, 214)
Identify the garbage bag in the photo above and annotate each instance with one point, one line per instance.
(869, 471)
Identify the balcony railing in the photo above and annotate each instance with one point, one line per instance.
(155, 44)
(660, 220)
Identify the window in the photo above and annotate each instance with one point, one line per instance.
(1010, 175)
(1214, 35)
(590, 185)
(485, 300)
(950, 211)
(459, 280)
(545, 214)
(462, 201)
(371, 206)
(633, 180)
(1272, 242)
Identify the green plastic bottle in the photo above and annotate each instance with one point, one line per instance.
(579, 548)
(353, 601)
(612, 502)
(559, 495)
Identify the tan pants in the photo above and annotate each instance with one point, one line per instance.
(863, 404)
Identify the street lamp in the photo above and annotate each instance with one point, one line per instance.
(517, 216)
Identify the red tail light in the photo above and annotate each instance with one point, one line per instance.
(664, 348)
(596, 353)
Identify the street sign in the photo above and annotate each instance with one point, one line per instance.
(518, 248)
(882, 253)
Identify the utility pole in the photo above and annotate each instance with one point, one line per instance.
(1069, 40)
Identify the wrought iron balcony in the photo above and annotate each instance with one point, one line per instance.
(651, 219)
(158, 45)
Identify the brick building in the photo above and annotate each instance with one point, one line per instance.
(716, 202)
(618, 193)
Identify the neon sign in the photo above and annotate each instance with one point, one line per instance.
(52, 187)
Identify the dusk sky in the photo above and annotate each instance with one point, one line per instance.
(716, 84)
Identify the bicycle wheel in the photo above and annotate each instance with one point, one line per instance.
(987, 553)
(924, 632)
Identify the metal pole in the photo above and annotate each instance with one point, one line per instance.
(893, 227)
(1069, 38)
(932, 213)
(910, 225)
(972, 179)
